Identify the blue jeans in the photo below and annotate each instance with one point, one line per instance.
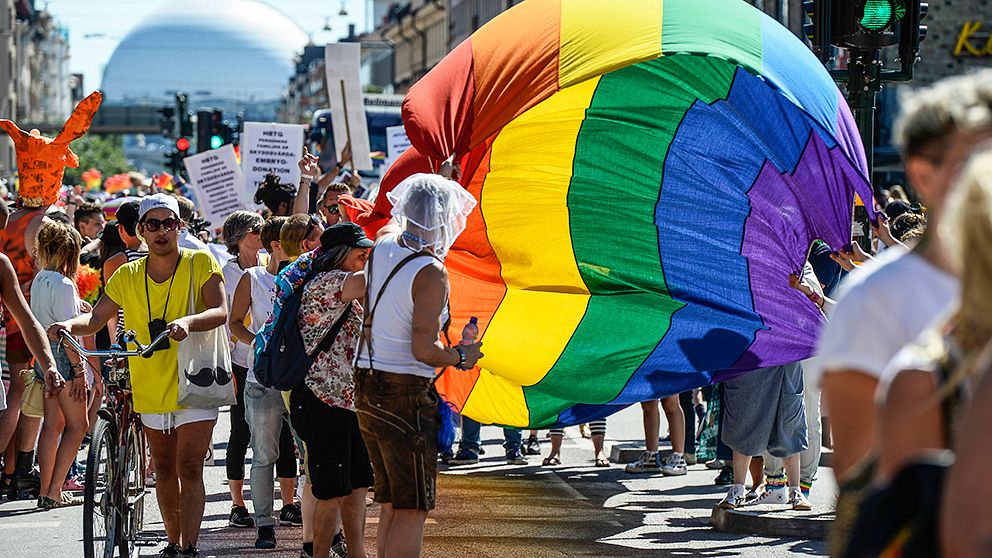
(266, 413)
(471, 437)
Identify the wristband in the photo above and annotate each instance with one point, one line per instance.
(461, 357)
(306, 177)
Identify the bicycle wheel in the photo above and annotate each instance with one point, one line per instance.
(99, 516)
(133, 513)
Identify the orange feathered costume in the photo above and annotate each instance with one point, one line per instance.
(41, 161)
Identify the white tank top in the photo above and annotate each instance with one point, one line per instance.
(263, 292)
(392, 325)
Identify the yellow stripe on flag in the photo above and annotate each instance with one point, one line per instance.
(598, 37)
(525, 204)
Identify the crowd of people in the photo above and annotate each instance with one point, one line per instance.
(350, 410)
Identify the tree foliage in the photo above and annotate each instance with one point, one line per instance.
(104, 153)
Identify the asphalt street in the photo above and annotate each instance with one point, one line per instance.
(491, 510)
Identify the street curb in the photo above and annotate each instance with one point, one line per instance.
(772, 524)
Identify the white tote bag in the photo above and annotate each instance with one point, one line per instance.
(205, 374)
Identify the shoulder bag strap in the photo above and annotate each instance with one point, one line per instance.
(370, 312)
(332, 334)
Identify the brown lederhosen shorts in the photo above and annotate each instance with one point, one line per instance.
(397, 414)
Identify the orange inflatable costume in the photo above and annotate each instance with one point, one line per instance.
(41, 161)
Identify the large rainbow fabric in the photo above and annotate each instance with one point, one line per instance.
(649, 174)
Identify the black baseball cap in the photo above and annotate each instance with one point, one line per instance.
(344, 234)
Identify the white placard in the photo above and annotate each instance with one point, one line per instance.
(270, 147)
(344, 91)
(396, 142)
(217, 183)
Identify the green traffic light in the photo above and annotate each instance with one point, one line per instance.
(216, 141)
(877, 15)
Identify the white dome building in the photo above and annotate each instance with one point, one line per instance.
(228, 52)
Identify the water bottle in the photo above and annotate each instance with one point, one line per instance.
(470, 332)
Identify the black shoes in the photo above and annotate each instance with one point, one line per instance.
(532, 446)
(291, 515)
(240, 518)
(725, 478)
(339, 546)
(173, 551)
(266, 538)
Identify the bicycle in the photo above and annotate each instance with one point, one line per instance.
(114, 487)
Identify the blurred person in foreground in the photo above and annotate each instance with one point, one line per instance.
(938, 128)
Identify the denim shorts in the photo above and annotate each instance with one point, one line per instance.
(62, 363)
(397, 414)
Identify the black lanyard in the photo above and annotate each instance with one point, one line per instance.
(148, 298)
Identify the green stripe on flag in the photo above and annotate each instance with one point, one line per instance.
(616, 181)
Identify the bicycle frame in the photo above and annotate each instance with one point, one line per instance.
(124, 496)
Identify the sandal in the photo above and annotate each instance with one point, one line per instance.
(602, 462)
(551, 460)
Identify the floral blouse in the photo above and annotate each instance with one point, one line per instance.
(331, 378)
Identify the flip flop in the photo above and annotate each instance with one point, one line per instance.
(602, 462)
(551, 461)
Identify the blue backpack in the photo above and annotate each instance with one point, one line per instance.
(284, 362)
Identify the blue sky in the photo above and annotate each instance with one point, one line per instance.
(97, 26)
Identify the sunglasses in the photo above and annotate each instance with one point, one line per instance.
(153, 225)
(314, 223)
(333, 209)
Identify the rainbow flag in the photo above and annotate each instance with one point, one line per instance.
(648, 174)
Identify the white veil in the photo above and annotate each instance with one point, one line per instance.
(432, 209)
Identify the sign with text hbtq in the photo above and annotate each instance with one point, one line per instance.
(270, 147)
(217, 183)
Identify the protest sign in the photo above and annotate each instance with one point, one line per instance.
(344, 91)
(217, 183)
(396, 143)
(269, 147)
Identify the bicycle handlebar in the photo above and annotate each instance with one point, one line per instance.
(127, 337)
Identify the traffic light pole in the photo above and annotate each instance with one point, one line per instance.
(864, 81)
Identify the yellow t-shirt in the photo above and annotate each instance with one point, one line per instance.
(155, 380)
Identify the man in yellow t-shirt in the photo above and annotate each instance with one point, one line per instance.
(154, 294)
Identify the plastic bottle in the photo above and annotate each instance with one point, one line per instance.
(470, 332)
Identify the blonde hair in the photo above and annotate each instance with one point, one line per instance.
(58, 248)
(292, 235)
(966, 233)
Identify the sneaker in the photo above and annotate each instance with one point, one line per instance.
(674, 465)
(339, 546)
(648, 462)
(735, 498)
(189, 552)
(73, 485)
(725, 478)
(171, 551)
(514, 457)
(266, 538)
(798, 500)
(240, 518)
(464, 457)
(291, 515)
(755, 493)
(690, 459)
(715, 464)
(532, 446)
(776, 496)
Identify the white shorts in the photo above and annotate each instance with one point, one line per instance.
(171, 421)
